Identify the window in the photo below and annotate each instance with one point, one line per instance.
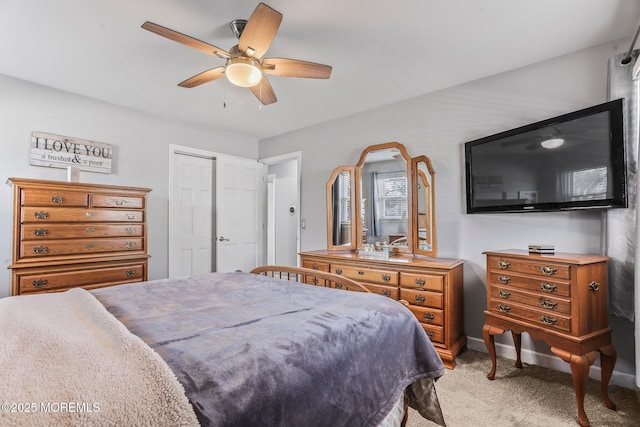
(392, 195)
(344, 195)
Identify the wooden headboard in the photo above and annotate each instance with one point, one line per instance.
(311, 277)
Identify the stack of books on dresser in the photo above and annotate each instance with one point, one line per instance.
(542, 249)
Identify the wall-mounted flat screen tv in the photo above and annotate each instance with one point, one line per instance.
(573, 161)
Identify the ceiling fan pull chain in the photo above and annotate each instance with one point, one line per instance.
(224, 96)
(260, 100)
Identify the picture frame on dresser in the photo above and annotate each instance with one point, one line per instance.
(72, 234)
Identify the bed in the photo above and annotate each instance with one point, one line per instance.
(216, 349)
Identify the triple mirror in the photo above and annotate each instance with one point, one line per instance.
(387, 198)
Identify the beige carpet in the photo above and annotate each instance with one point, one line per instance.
(532, 396)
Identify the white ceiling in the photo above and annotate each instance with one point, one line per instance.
(382, 51)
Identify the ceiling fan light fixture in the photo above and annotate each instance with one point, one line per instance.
(243, 71)
(552, 143)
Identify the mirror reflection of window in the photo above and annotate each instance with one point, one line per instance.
(341, 201)
(392, 195)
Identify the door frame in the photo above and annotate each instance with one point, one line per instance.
(175, 149)
(297, 156)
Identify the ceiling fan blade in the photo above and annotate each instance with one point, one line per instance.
(191, 42)
(295, 68)
(259, 31)
(264, 92)
(204, 77)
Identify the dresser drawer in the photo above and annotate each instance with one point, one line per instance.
(91, 276)
(366, 275)
(314, 265)
(75, 231)
(41, 214)
(428, 315)
(538, 317)
(540, 268)
(422, 281)
(422, 298)
(115, 201)
(435, 333)
(387, 291)
(39, 248)
(533, 284)
(46, 197)
(540, 301)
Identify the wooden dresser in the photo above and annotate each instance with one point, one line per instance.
(560, 299)
(69, 235)
(432, 286)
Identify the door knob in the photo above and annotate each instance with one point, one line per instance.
(222, 239)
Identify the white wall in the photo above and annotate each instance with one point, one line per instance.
(141, 153)
(437, 125)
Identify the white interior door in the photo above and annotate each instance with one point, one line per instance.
(240, 194)
(191, 215)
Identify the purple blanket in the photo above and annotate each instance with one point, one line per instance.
(253, 350)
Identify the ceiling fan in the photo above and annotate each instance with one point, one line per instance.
(244, 66)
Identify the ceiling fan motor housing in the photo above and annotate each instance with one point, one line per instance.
(237, 26)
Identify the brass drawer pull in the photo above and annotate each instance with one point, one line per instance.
(57, 199)
(420, 298)
(548, 303)
(338, 286)
(386, 277)
(41, 215)
(504, 279)
(130, 273)
(40, 232)
(504, 308)
(504, 294)
(89, 229)
(90, 246)
(39, 283)
(118, 202)
(548, 287)
(130, 245)
(430, 334)
(361, 273)
(504, 264)
(428, 316)
(90, 214)
(594, 286)
(40, 249)
(314, 266)
(338, 271)
(386, 292)
(420, 282)
(549, 271)
(548, 320)
(130, 230)
(131, 217)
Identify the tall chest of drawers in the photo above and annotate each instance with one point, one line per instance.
(560, 299)
(68, 235)
(433, 287)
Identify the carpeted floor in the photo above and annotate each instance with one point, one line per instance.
(532, 397)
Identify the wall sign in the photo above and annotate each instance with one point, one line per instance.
(57, 151)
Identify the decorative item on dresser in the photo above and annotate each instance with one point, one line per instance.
(381, 232)
(560, 299)
(68, 235)
(431, 286)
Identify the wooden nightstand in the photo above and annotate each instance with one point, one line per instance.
(560, 299)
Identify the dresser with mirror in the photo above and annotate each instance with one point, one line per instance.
(381, 231)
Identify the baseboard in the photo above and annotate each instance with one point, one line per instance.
(550, 361)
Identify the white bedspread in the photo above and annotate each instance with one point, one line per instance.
(65, 360)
